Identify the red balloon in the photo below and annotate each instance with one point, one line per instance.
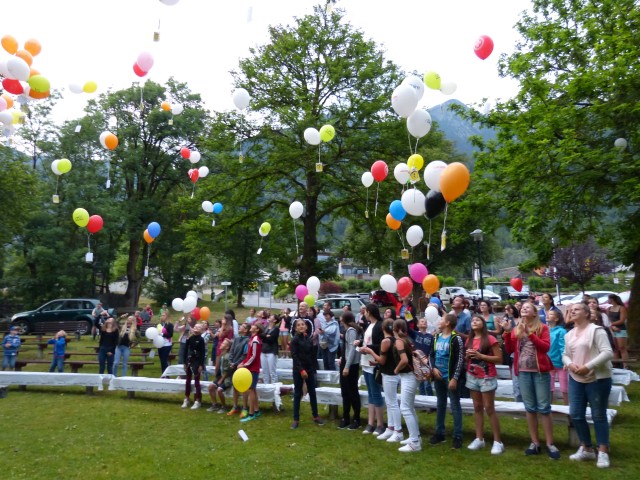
(379, 170)
(185, 152)
(12, 86)
(138, 71)
(405, 286)
(516, 283)
(95, 223)
(483, 46)
(194, 174)
(195, 313)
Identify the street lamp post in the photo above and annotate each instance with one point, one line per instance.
(554, 243)
(477, 235)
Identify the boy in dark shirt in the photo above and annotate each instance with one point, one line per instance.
(194, 366)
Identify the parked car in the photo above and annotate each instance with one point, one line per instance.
(592, 293)
(365, 297)
(447, 293)
(70, 314)
(507, 292)
(604, 301)
(382, 298)
(338, 303)
(486, 294)
(562, 299)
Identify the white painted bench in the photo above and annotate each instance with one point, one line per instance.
(620, 376)
(56, 379)
(323, 376)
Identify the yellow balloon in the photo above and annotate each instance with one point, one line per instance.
(265, 228)
(432, 80)
(64, 165)
(81, 217)
(327, 132)
(310, 300)
(416, 161)
(242, 379)
(17, 116)
(90, 87)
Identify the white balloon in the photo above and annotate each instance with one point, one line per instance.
(448, 88)
(313, 285)
(419, 123)
(203, 171)
(103, 137)
(401, 172)
(207, 206)
(75, 88)
(416, 83)
(54, 167)
(620, 143)
(169, 2)
(388, 283)
(151, 333)
(3, 68)
(189, 304)
(403, 100)
(241, 98)
(296, 209)
(177, 109)
(432, 173)
(431, 314)
(158, 342)
(3, 104)
(192, 293)
(414, 235)
(6, 117)
(413, 202)
(262, 234)
(194, 157)
(312, 136)
(367, 179)
(18, 69)
(177, 304)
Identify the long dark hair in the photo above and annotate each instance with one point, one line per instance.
(374, 311)
(349, 321)
(484, 336)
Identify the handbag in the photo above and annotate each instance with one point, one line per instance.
(421, 366)
(377, 375)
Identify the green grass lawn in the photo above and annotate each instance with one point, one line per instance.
(64, 433)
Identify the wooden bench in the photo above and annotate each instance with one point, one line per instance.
(22, 379)
(78, 364)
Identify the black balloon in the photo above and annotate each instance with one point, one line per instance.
(434, 204)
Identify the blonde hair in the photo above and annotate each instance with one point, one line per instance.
(535, 326)
(132, 330)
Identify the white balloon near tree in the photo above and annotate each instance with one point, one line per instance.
(448, 88)
(158, 342)
(313, 285)
(177, 304)
(401, 173)
(414, 235)
(203, 172)
(192, 293)
(194, 157)
(431, 314)
(151, 333)
(388, 283)
(189, 304)
(312, 136)
(620, 143)
(432, 173)
(241, 98)
(403, 100)
(296, 209)
(419, 123)
(367, 179)
(177, 109)
(417, 84)
(413, 202)
(207, 206)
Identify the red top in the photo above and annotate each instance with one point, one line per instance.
(540, 339)
(480, 368)
(252, 361)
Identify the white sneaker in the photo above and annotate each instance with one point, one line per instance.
(212, 409)
(603, 460)
(477, 444)
(582, 455)
(386, 434)
(396, 437)
(411, 447)
(185, 404)
(196, 405)
(497, 449)
(406, 441)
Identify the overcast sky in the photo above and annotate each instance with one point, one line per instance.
(201, 40)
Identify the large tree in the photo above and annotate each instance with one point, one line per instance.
(554, 166)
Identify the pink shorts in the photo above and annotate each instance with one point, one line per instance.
(563, 379)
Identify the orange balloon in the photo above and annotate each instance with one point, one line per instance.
(10, 44)
(205, 313)
(392, 223)
(32, 46)
(147, 238)
(431, 284)
(33, 71)
(166, 106)
(8, 99)
(111, 141)
(454, 181)
(39, 95)
(26, 56)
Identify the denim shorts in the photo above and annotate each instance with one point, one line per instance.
(536, 392)
(620, 334)
(374, 391)
(487, 384)
(254, 379)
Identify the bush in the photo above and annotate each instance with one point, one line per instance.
(330, 287)
(448, 282)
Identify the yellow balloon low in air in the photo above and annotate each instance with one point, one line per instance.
(327, 132)
(64, 165)
(416, 161)
(90, 87)
(81, 217)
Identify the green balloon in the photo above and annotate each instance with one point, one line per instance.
(64, 165)
(310, 300)
(81, 217)
(327, 132)
(432, 80)
(39, 83)
(265, 228)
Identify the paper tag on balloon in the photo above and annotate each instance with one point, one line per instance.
(78, 128)
(152, 354)
(318, 167)
(241, 158)
(428, 251)
(156, 36)
(259, 251)
(404, 254)
(146, 271)
(88, 257)
(243, 435)
(407, 316)
(414, 175)
(213, 223)
(443, 241)
(55, 199)
(108, 184)
(366, 214)
(170, 122)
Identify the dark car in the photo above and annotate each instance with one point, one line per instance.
(70, 314)
(383, 298)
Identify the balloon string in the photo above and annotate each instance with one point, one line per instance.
(148, 253)
(296, 235)
(416, 149)
(89, 242)
(401, 239)
(375, 210)
(429, 242)
(367, 208)
(319, 161)
(409, 139)
(57, 180)
(194, 190)
(446, 209)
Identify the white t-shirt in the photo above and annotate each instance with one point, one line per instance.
(366, 358)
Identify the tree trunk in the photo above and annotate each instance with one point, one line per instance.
(134, 279)
(310, 239)
(634, 306)
(239, 300)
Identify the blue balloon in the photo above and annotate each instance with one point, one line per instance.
(217, 207)
(435, 300)
(397, 211)
(154, 229)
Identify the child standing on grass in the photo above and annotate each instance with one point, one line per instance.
(423, 341)
(252, 363)
(59, 343)
(223, 382)
(555, 321)
(10, 344)
(194, 366)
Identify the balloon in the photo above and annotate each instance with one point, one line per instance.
(434, 204)
(388, 283)
(379, 170)
(413, 202)
(195, 313)
(90, 87)
(170, 2)
(32, 46)
(26, 56)
(419, 123)
(432, 173)
(448, 88)
(205, 313)
(64, 165)
(13, 86)
(151, 333)
(414, 235)
(405, 286)
(620, 143)
(217, 207)
(241, 98)
(154, 229)
(147, 238)
(416, 83)
(3, 106)
(203, 171)
(431, 284)
(177, 109)
(296, 209)
(185, 153)
(7, 99)
(454, 181)
(177, 304)
(301, 292)
(418, 272)
(37, 95)
(432, 80)
(483, 47)
(313, 285)
(80, 217)
(327, 132)
(207, 206)
(145, 61)
(158, 342)
(392, 223)
(39, 83)
(166, 106)
(404, 100)
(189, 304)
(401, 173)
(194, 157)
(397, 211)
(431, 314)
(6, 117)
(367, 179)
(310, 300)
(242, 379)
(54, 164)
(192, 293)
(10, 44)
(266, 228)
(75, 88)
(312, 136)
(194, 174)
(138, 71)
(516, 283)
(95, 224)
(110, 141)
(415, 161)
(18, 69)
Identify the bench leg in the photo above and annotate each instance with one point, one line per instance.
(131, 394)
(22, 388)
(333, 412)
(89, 390)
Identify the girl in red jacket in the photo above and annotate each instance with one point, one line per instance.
(530, 341)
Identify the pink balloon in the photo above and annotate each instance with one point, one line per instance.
(405, 287)
(483, 46)
(145, 61)
(417, 272)
(301, 292)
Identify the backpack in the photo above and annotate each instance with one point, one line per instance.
(421, 366)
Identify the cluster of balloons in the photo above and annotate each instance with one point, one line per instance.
(433, 80)
(194, 174)
(175, 109)
(404, 101)
(108, 140)
(483, 47)
(186, 305)
(87, 87)
(94, 223)
(61, 166)
(264, 229)
(313, 136)
(143, 64)
(151, 232)
(309, 292)
(241, 98)
(192, 155)
(209, 207)
(417, 273)
(9, 116)
(20, 78)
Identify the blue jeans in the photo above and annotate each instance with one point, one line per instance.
(597, 395)
(163, 353)
(424, 388)
(57, 362)
(442, 392)
(9, 361)
(103, 358)
(297, 393)
(374, 393)
(122, 352)
(535, 391)
(329, 359)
